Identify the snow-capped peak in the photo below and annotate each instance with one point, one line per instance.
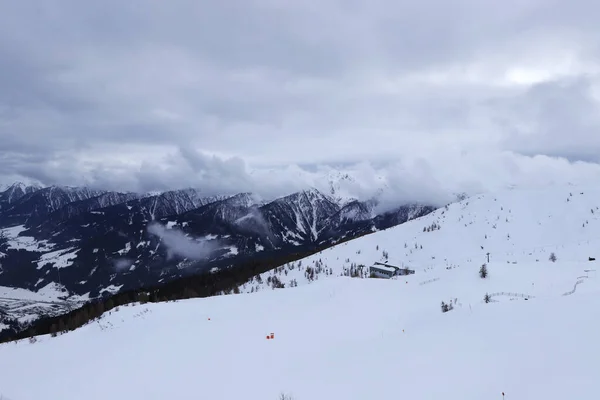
(16, 191)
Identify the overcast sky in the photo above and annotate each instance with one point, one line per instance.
(429, 96)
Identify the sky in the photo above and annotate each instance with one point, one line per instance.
(430, 97)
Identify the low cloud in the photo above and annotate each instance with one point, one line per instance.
(122, 264)
(255, 222)
(430, 175)
(415, 101)
(178, 244)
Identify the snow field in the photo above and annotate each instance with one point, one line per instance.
(338, 338)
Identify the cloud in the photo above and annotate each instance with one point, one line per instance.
(255, 222)
(558, 118)
(122, 264)
(426, 98)
(178, 244)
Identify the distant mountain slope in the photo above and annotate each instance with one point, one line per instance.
(13, 193)
(513, 226)
(300, 217)
(72, 210)
(93, 243)
(35, 205)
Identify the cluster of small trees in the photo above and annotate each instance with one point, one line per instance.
(433, 227)
(356, 271)
(447, 306)
(311, 273)
(275, 282)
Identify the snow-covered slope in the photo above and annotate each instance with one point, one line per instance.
(23, 306)
(342, 338)
(518, 228)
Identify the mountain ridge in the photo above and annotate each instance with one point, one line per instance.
(102, 242)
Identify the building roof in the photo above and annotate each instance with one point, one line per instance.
(384, 268)
(387, 265)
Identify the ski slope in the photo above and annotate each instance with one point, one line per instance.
(340, 338)
(362, 339)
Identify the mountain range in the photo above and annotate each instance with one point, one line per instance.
(91, 243)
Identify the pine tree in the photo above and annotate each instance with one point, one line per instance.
(483, 272)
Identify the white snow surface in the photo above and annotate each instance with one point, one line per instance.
(59, 258)
(26, 305)
(17, 242)
(364, 339)
(111, 289)
(341, 338)
(51, 292)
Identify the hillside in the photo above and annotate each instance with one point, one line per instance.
(518, 228)
(344, 338)
(21, 306)
(356, 339)
(89, 244)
